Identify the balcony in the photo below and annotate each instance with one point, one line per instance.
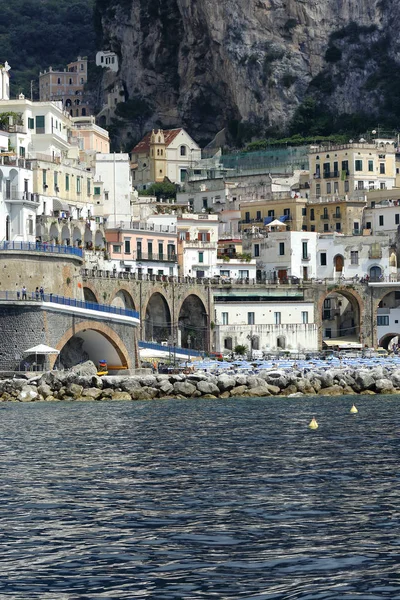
(156, 257)
(331, 174)
(325, 217)
(337, 215)
(18, 197)
(306, 257)
(14, 161)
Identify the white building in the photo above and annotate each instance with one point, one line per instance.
(107, 60)
(383, 217)
(267, 326)
(112, 187)
(197, 245)
(281, 255)
(236, 269)
(351, 256)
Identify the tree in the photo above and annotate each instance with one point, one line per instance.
(240, 349)
(166, 189)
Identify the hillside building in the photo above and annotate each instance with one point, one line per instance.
(67, 87)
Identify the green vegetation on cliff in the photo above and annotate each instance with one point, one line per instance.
(36, 34)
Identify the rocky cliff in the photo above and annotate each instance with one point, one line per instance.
(205, 63)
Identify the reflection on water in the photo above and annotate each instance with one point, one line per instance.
(200, 499)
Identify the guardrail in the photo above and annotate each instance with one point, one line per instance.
(41, 247)
(55, 299)
(170, 349)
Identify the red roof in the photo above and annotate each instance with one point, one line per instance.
(144, 144)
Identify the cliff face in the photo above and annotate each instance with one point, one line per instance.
(204, 63)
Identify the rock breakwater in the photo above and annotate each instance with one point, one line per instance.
(82, 384)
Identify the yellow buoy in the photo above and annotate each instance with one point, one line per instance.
(353, 410)
(313, 424)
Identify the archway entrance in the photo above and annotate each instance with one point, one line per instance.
(89, 296)
(388, 320)
(158, 319)
(341, 319)
(93, 345)
(193, 324)
(123, 299)
(375, 273)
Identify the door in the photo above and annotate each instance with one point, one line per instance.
(305, 273)
(339, 263)
(282, 275)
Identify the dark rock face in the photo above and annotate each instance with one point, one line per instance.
(204, 64)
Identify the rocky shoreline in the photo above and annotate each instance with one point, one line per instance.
(83, 384)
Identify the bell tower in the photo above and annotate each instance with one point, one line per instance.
(158, 159)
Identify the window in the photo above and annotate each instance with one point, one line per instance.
(312, 214)
(328, 333)
(127, 246)
(250, 318)
(56, 181)
(150, 249)
(78, 185)
(325, 215)
(281, 248)
(397, 219)
(286, 212)
(40, 126)
(243, 274)
(382, 320)
(183, 174)
(258, 215)
(271, 213)
(183, 150)
(225, 273)
(67, 183)
(304, 212)
(21, 151)
(327, 303)
(256, 249)
(326, 227)
(304, 246)
(337, 212)
(312, 228)
(205, 203)
(322, 259)
(354, 257)
(356, 225)
(338, 227)
(382, 185)
(139, 250)
(345, 166)
(304, 317)
(88, 187)
(44, 178)
(318, 189)
(31, 123)
(382, 168)
(201, 257)
(247, 217)
(381, 222)
(359, 165)
(117, 249)
(371, 166)
(160, 250)
(368, 225)
(346, 186)
(335, 187)
(328, 188)
(105, 195)
(225, 319)
(277, 318)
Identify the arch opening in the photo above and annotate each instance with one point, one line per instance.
(54, 233)
(338, 262)
(90, 344)
(123, 299)
(192, 324)
(158, 327)
(341, 319)
(388, 320)
(89, 296)
(65, 235)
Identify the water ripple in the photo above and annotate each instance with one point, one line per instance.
(199, 499)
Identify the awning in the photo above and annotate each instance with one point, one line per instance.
(268, 220)
(60, 205)
(342, 344)
(41, 349)
(283, 218)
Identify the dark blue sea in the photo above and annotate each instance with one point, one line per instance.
(227, 499)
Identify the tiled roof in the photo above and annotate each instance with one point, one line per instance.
(144, 144)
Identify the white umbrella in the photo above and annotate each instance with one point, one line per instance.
(41, 349)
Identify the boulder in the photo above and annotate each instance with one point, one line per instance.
(333, 390)
(93, 393)
(226, 383)
(147, 381)
(184, 389)
(326, 379)
(241, 380)
(130, 384)
(206, 387)
(121, 396)
(273, 389)
(44, 389)
(86, 369)
(150, 391)
(364, 381)
(28, 393)
(165, 388)
(258, 391)
(383, 386)
(194, 377)
(225, 395)
(238, 391)
(253, 381)
(74, 389)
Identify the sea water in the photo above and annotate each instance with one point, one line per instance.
(224, 499)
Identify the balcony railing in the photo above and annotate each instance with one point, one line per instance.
(9, 196)
(40, 247)
(141, 226)
(337, 215)
(14, 161)
(331, 174)
(156, 256)
(325, 217)
(306, 257)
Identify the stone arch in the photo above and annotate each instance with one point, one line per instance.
(54, 233)
(99, 240)
(89, 295)
(65, 235)
(385, 340)
(88, 238)
(193, 323)
(123, 299)
(351, 326)
(387, 308)
(157, 323)
(281, 342)
(93, 341)
(76, 236)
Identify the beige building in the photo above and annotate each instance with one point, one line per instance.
(67, 86)
(352, 168)
(161, 154)
(90, 137)
(327, 215)
(290, 210)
